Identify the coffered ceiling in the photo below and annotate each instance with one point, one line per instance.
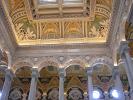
(40, 22)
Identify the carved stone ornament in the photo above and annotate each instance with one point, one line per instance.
(75, 94)
(53, 94)
(15, 94)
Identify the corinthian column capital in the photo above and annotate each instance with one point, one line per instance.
(35, 73)
(115, 72)
(9, 74)
(123, 48)
(62, 72)
(89, 71)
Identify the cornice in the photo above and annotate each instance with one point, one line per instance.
(80, 49)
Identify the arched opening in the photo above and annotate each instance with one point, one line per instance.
(49, 82)
(21, 84)
(16, 93)
(123, 77)
(75, 83)
(102, 78)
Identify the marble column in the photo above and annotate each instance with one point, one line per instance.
(127, 95)
(118, 83)
(24, 96)
(90, 83)
(85, 96)
(124, 53)
(61, 83)
(7, 85)
(0, 55)
(33, 86)
(106, 94)
(128, 61)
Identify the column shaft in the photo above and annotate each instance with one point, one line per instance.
(90, 87)
(128, 72)
(61, 88)
(118, 83)
(130, 79)
(90, 84)
(62, 75)
(106, 96)
(7, 85)
(129, 62)
(33, 86)
(0, 55)
(126, 96)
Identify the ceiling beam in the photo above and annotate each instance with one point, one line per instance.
(28, 9)
(92, 8)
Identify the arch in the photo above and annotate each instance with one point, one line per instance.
(77, 61)
(75, 93)
(22, 63)
(48, 62)
(16, 90)
(102, 61)
(120, 62)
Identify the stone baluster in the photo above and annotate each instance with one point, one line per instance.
(33, 86)
(7, 84)
(62, 75)
(90, 83)
(118, 83)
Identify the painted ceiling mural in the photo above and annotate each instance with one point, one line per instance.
(36, 22)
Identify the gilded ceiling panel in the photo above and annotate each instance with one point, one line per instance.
(36, 23)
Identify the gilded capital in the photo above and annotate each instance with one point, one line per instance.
(35, 72)
(123, 48)
(9, 74)
(89, 70)
(62, 72)
(115, 71)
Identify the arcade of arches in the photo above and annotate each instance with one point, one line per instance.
(66, 49)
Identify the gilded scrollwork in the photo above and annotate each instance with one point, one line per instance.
(49, 25)
(75, 94)
(26, 30)
(99, 28)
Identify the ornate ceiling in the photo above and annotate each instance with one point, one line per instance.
(38, 22)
